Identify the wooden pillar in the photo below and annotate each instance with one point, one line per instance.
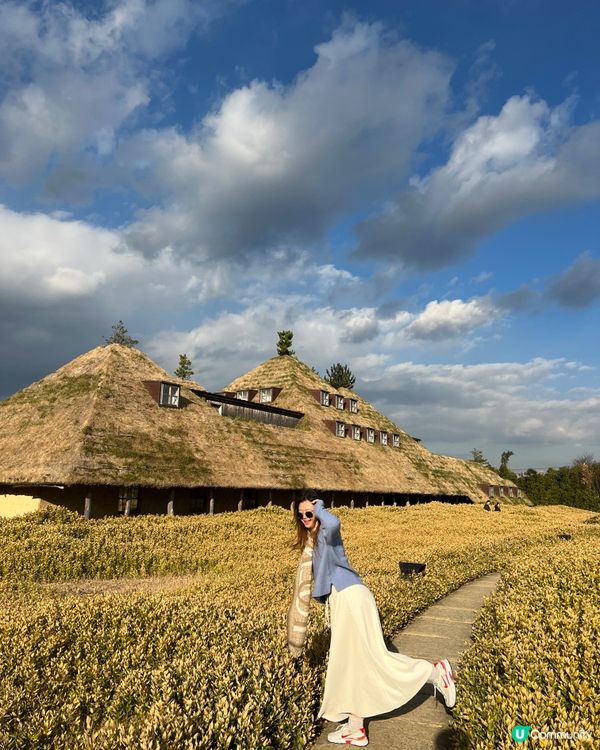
(352, 501)
(171, 503)
(383, 499)
(128, 507)
(241, 500)
(270, 499)
(211, 502)
(87, 511)
(367, 502)
(332, 505)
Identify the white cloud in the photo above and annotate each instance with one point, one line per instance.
(525, 159)
(494, 406)
(451, 318)
(71, 83)
(275, 165)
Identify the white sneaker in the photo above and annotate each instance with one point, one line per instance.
(445, 682)
(343, 736)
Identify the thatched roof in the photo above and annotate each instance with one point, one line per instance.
(94, 421)
(329, 462)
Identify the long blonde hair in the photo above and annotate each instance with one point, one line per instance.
(302, 533)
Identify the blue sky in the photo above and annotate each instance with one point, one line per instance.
(411, 188)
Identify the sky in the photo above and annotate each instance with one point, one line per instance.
(412, 188)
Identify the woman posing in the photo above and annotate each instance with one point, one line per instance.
(363, 678)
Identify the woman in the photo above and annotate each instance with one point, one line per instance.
(363, 678)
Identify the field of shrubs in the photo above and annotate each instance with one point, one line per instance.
(94, 654)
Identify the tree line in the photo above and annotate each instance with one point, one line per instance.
(577, 484)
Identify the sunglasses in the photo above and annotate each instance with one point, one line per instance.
(308, 514)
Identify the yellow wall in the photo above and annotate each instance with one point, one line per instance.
(18, 505)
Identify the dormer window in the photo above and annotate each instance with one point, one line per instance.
(396, 441)
(356, 432)
(266, 395)
(370, 435)
(353, 405)
(324, 398)
(339, 402)
(243, 395)
(340, 429)
(169, 395)
(384, 438)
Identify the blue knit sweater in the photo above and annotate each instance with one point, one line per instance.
(330, 564)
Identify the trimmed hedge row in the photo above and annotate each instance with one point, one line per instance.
(535, 660)
(206, 666)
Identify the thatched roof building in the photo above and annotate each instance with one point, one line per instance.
(115, 427)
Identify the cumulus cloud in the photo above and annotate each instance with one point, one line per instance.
(501, 168)
(579, 285)
(70, 83)
(277, 165)
(493, 406)
(450, 318)
(63, 284)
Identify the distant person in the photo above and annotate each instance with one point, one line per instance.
(363, 677)
(497, 506)
(487, 505)
(407, 504)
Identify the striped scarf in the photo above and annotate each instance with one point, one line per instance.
(297, 618)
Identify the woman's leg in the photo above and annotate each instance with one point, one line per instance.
(355, 722)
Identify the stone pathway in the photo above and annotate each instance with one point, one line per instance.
(443, 630)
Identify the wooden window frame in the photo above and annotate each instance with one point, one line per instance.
(267, 400)
(167, 397)
(337, 430)
(128, 493)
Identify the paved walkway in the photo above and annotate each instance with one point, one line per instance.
(443, 630)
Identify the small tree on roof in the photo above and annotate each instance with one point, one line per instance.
(120, 335)
(284, 345)
(184, 369)
(340, 376)
(479, 458)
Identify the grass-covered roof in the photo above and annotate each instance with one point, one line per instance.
(94, 421)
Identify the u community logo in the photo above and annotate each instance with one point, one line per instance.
(520, 733)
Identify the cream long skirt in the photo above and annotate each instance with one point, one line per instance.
(363, 677)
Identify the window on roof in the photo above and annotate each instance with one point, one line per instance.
(370, 435)
(353, 405)
(242, 395)
(340, 429)
(384, 438)
(169, 395)
(266, 395)
(396, 441)
(339, 402)
(356, 432)
(324, 398)
(125, 494)
(491, 492)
